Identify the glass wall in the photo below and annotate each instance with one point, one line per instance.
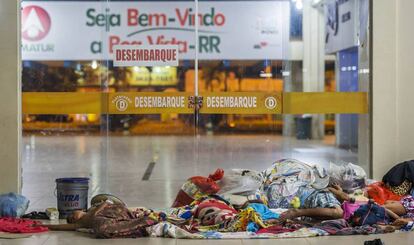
(254, 82)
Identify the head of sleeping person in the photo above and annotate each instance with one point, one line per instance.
(75, 216)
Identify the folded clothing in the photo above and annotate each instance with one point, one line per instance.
(14, 225)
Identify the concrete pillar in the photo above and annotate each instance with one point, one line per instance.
(392, 105)
(10, 96)
(314, 58)
(384, 90)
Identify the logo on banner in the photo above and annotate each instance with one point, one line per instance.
(121, 102)
(270, 103)
(35, 23)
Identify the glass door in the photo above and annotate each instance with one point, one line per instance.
(141, 95)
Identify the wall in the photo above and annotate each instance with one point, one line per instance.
(405, 78)
(9, 96)
(392, 71)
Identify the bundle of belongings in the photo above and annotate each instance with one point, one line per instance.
(289, 199)
(12, 207)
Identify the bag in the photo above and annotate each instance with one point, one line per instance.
(198, 186)
(13, 205)
(240, 182)
(369, 214)
(349, 176)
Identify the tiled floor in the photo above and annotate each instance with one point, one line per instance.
(70, 238)
(117, 165)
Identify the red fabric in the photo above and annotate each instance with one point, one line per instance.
(203, 185)
(13, 225)
(380, 193)
(213, 212)
(276, 229)
(218, 175)
(182, 199)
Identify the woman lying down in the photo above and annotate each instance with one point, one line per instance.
(109, 221)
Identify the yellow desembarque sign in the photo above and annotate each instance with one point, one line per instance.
(241, 103)
(149, 103)
(186, 103)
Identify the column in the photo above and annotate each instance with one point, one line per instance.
(10, 96)
(314, 59)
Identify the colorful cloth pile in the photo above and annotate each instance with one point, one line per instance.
(289, 199)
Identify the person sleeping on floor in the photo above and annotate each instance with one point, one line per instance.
(326, 204)
(109, 221)
(117, 221)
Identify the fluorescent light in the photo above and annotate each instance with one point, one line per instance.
(299, 4)
(94, 64)
(263, 74)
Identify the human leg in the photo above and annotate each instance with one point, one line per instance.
(396, 207)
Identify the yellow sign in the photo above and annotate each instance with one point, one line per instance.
(158, 76)
(138, 76)
(241, 103)
(164, 76)
(149, 103)
(186, 102)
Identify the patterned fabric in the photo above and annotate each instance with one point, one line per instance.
(333, 226)
(408, 203)
(116, 221)
(242, 220)
(288, 179)
(402, 189)
(321, 199)
(214, 212)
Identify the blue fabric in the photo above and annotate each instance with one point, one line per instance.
(13, 205)
(370, 214)
(186, 215)
(264, 211)
(252, 227)
(412, 192)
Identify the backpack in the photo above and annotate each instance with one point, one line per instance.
(369, 214)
